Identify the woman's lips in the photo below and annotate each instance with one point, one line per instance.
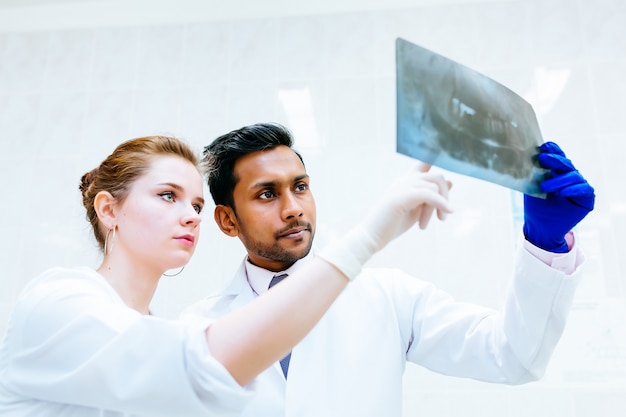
(186, 239)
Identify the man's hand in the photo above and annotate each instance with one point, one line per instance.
(569, 199)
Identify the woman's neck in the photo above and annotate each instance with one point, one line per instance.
(135, 287)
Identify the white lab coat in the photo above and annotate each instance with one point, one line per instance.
(73, 348)
(352, 362)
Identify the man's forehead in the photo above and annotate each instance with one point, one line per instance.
(277, 164)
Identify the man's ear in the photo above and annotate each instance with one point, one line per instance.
(226, 220)
(105, 205)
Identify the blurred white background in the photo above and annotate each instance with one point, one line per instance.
(79, 77)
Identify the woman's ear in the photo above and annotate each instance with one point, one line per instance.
(226, 220)
(104, 204)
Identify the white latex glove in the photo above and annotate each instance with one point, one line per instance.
(411, 198)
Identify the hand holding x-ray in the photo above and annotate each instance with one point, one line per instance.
(458, 119)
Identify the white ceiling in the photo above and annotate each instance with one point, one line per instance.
(27, 15)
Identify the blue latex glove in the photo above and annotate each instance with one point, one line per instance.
(569, 199)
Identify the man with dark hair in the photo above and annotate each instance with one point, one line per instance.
(352, 362)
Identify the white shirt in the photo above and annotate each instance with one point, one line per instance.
(259, 278)
(73, 348)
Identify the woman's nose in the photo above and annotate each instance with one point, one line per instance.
(191, 216)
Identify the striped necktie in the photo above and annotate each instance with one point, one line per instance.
(284, 362)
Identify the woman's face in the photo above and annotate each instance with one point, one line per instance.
(159, 221)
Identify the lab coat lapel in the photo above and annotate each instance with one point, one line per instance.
(242, 294)
(239, 289)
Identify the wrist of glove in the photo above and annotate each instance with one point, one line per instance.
(350, 253)
(569, 198)
(410, 199)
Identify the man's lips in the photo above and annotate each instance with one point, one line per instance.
(294, 232)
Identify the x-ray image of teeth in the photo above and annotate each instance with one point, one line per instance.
(453, 117)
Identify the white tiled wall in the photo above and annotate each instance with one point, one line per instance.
(67, 97)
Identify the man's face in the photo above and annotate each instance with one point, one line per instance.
(275, 208)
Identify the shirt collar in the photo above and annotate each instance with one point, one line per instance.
(259, 278)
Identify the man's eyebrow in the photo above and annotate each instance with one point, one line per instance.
(262, 184)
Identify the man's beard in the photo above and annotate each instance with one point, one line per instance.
(275, 252)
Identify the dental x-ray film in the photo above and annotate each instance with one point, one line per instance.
(453, 117)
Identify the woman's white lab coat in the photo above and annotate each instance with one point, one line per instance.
(73, 348)
(352, 362)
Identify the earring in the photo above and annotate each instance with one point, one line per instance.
(108, 250)
(173, 275)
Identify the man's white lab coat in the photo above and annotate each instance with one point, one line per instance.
(352, 362)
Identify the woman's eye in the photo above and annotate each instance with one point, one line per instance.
(168, 195)
(197, 208)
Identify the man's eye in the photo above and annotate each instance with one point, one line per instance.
(302, 187)
(266, 195)
(168, 195)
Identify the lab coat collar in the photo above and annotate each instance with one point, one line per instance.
(239, 289)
